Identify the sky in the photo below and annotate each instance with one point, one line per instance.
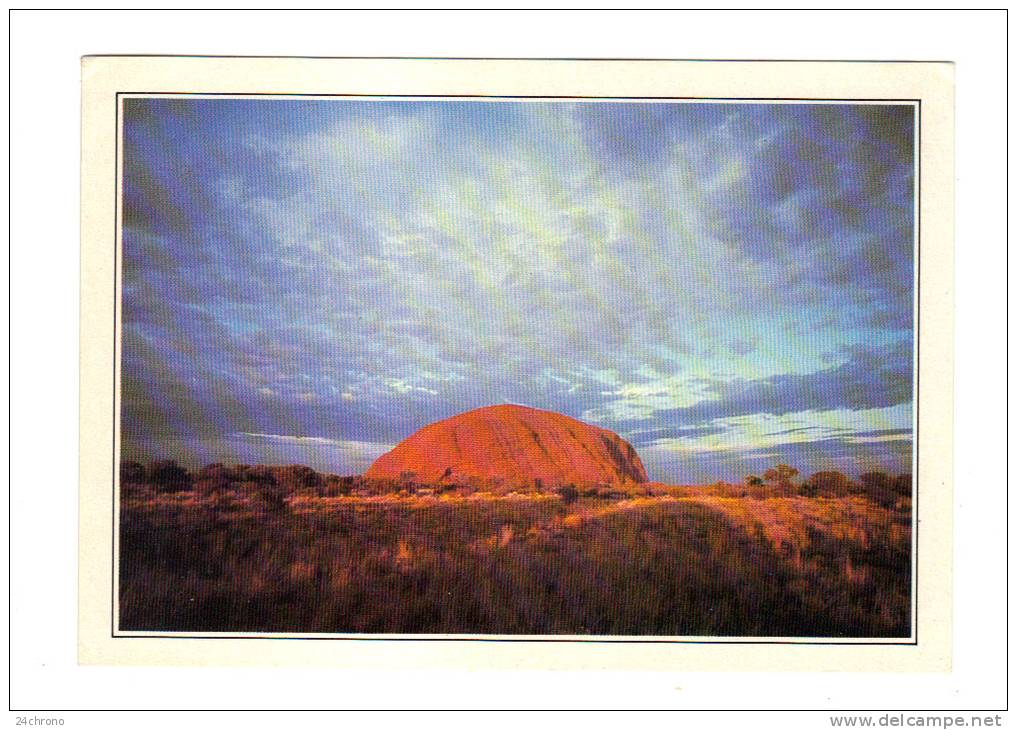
(727, 286)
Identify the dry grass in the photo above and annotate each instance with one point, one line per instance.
(653, 562)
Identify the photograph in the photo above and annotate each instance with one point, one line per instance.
(479, 362)
(557, 368)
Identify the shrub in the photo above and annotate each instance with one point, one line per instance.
(271, 496)
(876, 480)
(902, 485)
(131, 472)
(214, 479)
(217, 471)
(336, 486)
(781, 475)
(446, 487)
(568, 493)
(296, 477)
(257, 474)
(880, 487)
(168, 476)
(828, 484)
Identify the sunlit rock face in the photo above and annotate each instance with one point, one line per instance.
(513, 445)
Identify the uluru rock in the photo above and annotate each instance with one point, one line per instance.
(512, 445)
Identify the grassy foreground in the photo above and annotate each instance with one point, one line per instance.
(684, 563)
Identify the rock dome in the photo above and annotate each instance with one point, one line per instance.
(512, 445)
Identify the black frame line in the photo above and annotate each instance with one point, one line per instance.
(439, 97)
(609, 59)
(821, 641)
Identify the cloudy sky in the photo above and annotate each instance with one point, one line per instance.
(728, 286)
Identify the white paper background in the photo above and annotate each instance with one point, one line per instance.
(45, 51)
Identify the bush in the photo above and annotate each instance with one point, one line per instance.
(881, 487)
(902, 485)
(296, 477)
(256, 474)
(217, 472)
(168, 476)
(781, 475)
(271, 496)
(336, 486)
(568, 493)
(876, 481)
(828, 484)
(131, 472)
(215, 479)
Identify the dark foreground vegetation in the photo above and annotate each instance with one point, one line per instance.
(284, 549)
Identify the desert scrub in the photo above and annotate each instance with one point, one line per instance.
(514, 564)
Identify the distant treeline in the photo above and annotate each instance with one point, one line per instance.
(785, 481)
(270, 482)
(274, 484)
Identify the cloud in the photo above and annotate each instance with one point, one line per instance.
(764, 430)
(354, 270)
(866, 380)
(734, 447)
(336, 456)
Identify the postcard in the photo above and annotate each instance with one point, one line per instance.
(491, 363)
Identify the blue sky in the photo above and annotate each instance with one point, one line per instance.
(728, 286)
